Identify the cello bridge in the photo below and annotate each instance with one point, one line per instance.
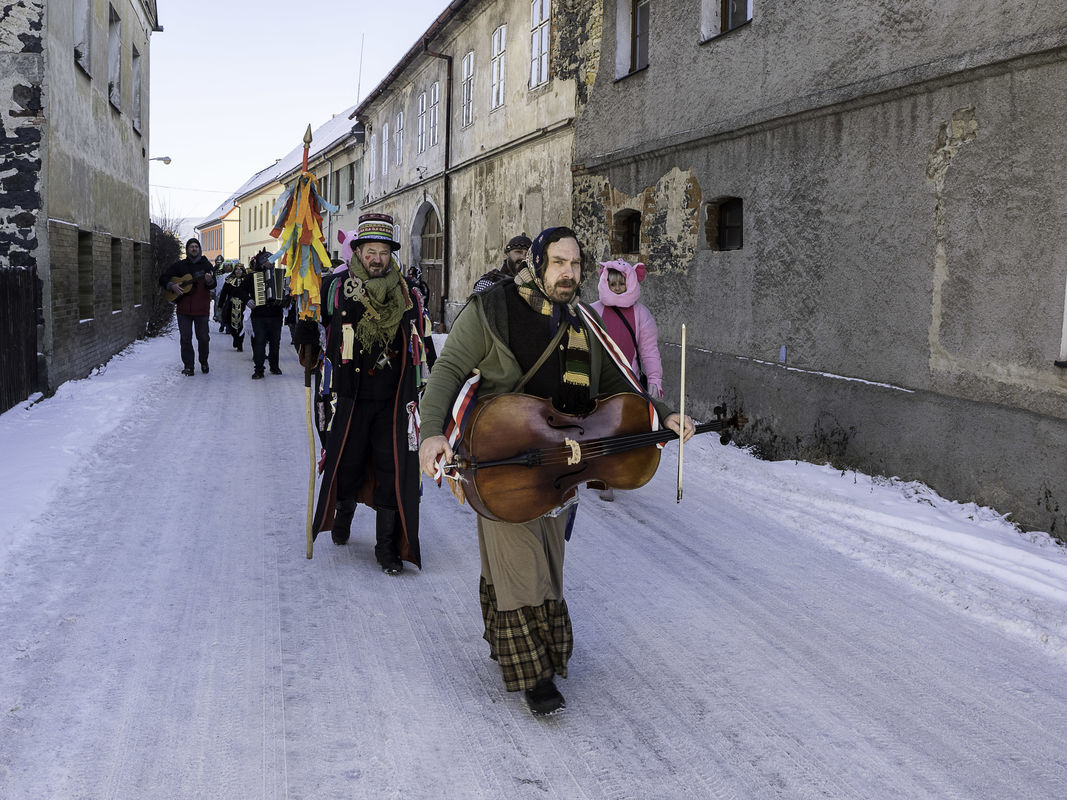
(576, 451)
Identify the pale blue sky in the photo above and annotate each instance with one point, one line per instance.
(235, 84)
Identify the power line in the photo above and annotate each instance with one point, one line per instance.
(189, 189)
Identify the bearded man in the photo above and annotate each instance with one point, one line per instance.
(514, 255)
(368, 389)
(527, 335)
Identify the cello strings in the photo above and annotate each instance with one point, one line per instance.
(609, 445)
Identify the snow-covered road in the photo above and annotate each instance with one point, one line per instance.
(787, 631)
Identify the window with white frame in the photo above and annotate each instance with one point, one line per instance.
(496, 67)
(351, 183)
(631, 36)
(720, 16)
(135, 69)
(385, 149)
(540, 26)
(399, 135)
(467, 103)
(434, 92)
(420, 124)
(82, 30)
(114, 55)
(372, 165)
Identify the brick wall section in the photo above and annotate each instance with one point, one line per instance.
(80, 344)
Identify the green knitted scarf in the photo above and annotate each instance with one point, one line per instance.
(384, 299)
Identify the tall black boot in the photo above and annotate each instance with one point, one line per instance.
(342, 521)
(385, 549)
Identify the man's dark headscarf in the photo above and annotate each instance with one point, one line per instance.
(574, 391)
(543, 240)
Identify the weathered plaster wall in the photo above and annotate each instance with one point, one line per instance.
(794, 57)
(95, 182)
(903, 232)
(527, 189)
(509, 169)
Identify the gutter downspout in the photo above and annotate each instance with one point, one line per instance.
(446, 223)
(329, 214)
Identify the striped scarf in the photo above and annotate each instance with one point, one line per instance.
(576, 359)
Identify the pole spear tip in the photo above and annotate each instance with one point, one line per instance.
(307, 135)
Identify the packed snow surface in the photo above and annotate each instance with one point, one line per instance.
(786, 631)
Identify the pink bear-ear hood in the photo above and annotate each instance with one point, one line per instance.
(635, 273)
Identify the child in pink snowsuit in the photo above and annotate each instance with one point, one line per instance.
(629, 322)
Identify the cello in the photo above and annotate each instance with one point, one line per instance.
(520, 457)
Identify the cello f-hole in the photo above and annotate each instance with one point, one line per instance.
(551, 421)
(557, 482)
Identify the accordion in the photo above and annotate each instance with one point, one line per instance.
(268, 286)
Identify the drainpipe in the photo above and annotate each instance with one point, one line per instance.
(446, 223)
(329, 214)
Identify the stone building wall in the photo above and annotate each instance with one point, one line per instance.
(898, 300)
(509, 167)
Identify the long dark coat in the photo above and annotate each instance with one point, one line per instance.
(337, 397)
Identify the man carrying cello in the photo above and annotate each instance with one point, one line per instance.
(527, 335)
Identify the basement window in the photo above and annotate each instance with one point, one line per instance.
(724, 223)
(116, 274)
(626, 236)
(85, 275)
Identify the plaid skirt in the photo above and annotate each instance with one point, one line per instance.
(529, 643)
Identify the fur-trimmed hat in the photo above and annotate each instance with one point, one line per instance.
(375, 228)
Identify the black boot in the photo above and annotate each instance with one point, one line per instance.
(342, 521)
(385, 545)
(544, 698)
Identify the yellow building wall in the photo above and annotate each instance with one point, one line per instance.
(257, 221)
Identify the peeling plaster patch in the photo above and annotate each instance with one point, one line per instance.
(20, 139)
(670, 218)
(577, 26)
(953, 135)
(959, 131)
(15, 20)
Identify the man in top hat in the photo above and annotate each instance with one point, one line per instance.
(373, 366)
(514, 255)
(528, 335)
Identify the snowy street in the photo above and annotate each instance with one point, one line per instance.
(786, 631)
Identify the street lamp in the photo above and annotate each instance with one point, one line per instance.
(164, 159)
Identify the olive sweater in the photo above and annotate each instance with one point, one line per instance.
(478, 340)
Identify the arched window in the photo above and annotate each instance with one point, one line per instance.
(432, 239)
(431, 261)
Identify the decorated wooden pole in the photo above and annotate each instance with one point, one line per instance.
(298, 227)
